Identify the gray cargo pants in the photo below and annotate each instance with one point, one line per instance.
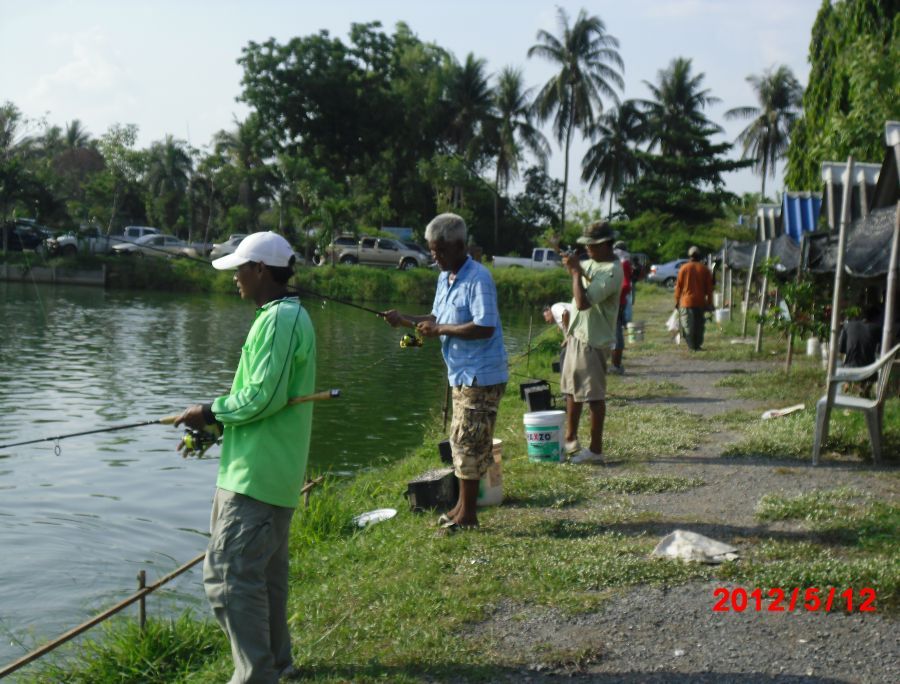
(245, 575)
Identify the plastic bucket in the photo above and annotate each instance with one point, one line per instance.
(490, 487)
(812, 346)
(722, 315)
(635, 332)
(544, 436)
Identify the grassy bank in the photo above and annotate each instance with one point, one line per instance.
(515, 286)
(395, 603)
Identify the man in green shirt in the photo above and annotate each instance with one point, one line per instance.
(596, 287)
(265, 445)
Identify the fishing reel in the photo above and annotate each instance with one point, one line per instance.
(197, 442)
(411, 341)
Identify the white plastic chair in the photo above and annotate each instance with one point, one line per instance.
(833, 399)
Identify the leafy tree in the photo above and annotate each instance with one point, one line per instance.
(612, 162)
(853, 85)
(685, 178)
(765, 139)
(587, 58)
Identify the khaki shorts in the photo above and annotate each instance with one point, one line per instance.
(472, 429)
(584, 372)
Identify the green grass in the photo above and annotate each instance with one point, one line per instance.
(393, 602)
(167, 651)
(791, 436)
(853, 544)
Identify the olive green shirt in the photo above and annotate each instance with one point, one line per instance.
(265, 445)
(596, 326)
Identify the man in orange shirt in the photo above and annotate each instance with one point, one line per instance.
(693, 296)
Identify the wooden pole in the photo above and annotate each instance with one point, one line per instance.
(762, 301)
(528, 349)
(142, 603)
(724, 272)
(747, 287)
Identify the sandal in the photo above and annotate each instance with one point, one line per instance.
(451, 528)
(444, 519)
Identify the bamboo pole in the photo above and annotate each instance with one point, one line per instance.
(142, 605)
(747, 287)
(762, 301)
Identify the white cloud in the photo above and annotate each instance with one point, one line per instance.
(86, 80)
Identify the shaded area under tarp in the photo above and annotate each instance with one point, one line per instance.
(783, 248)
(868, 248)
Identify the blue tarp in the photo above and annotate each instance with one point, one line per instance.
(799, 213)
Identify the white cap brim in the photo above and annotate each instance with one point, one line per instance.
(229, 261)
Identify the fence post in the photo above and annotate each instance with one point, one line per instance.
(142, 605)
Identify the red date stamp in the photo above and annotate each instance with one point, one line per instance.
(778, 600)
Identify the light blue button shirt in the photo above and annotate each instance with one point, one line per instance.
(472, 297)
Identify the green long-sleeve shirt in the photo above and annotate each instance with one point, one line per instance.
(265, 445)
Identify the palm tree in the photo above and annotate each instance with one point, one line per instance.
(675, 116)
(766, 137)
(76, 136)
(246, 149)
(612, 161)
(513, 131)
(14, 140)
(583, 53)
(471, 99)
(168, 173)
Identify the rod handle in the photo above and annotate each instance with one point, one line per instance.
(318, 396)
(167, 420)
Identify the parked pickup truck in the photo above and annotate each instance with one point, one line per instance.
(376, 251)
(541, 257)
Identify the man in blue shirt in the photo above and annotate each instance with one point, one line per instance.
(466, 318)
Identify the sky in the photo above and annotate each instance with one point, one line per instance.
(170, 67)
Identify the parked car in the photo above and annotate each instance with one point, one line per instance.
(376, 251)
(665, 274)
(416, 247)
(220, 249)
(157, 246)
(541, 257)
(21, 234)
(87, 239)
(333, 251)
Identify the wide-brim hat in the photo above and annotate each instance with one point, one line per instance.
(264, 247)
(597, 233)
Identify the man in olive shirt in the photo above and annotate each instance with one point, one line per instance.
(265, 446)
(596, 288)
(693, 296)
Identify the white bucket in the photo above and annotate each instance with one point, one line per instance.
(635, 332)
(544, 436)
(722, 315)
(490, 487)
(812, 346)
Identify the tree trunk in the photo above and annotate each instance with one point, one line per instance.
(562, 219)
(497, 210)
(765, 170)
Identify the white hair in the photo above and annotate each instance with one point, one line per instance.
(446, 228)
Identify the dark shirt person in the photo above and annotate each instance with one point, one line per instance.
(860, 339)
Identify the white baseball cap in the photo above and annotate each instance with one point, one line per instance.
(266, 247)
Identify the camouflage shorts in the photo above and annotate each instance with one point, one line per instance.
(472, 429)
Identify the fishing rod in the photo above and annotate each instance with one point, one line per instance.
(318, 295)
(165, 420)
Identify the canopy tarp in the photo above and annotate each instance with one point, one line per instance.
(784, 249)
(868, 246)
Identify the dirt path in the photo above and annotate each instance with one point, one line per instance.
(649, 634)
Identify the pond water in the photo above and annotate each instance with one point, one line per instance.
(77, 523)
